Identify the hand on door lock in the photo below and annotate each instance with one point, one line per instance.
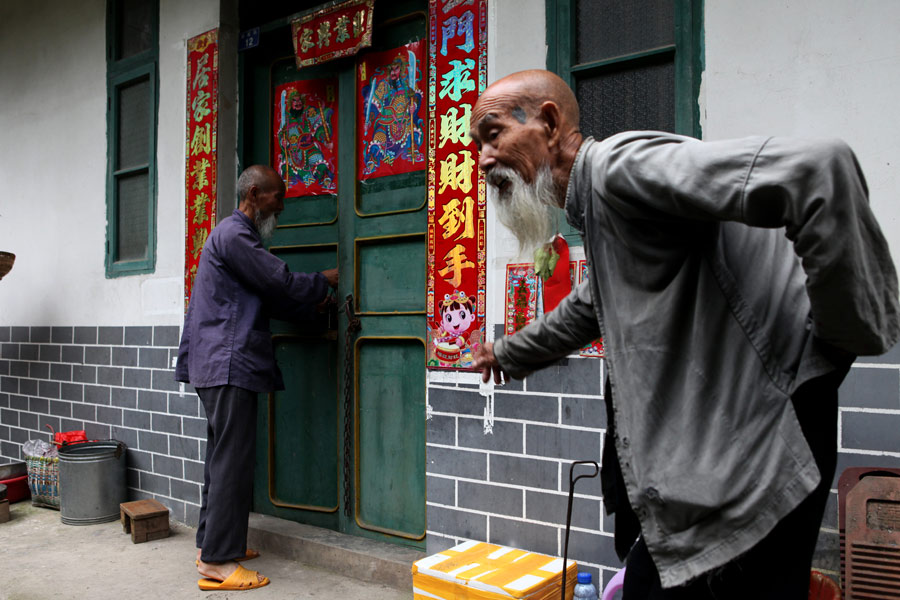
(329, 307)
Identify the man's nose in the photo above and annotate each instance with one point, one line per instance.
(486, 159)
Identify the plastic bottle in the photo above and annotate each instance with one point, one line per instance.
(584, 589)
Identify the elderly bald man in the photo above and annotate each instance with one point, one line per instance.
(226, 353)
(733, 283)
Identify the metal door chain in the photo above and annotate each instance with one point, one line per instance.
(353, 325)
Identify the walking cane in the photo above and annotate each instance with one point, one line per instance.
(569, 512)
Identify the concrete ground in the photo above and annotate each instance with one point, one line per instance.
(43, 559)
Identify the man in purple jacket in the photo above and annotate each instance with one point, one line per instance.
(226, 353)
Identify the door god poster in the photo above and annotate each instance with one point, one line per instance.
(457, 74)
(305, 136)
(390, 111)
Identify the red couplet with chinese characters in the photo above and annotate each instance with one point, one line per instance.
(200, 149)
(456, 189)
(332, 32)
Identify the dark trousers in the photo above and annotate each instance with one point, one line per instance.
(777, 568)
(227, 473)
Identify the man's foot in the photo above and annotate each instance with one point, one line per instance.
(221, 571)
(249, 555)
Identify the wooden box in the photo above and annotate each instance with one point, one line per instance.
(145, 519)
(476, 570)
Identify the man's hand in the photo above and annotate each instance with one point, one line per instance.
(332, 276)
(487, 363)
(323, 306)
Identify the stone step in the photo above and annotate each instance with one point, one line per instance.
(364, 559)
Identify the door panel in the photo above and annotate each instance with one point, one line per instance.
(390, 372)
(382, 286)
(303, 441)
(392, 194)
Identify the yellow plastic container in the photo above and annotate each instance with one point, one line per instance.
(480, 571)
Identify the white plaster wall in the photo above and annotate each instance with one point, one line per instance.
(811, 68)
(516, 41)
(53, 166)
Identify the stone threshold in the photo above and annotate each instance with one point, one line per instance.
(364, 559)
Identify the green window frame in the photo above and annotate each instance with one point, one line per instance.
(686, 53)
(139, 69)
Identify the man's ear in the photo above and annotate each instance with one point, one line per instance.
(551, 117)
(252, 197)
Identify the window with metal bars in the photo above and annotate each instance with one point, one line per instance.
(132, 99)
(633, 64)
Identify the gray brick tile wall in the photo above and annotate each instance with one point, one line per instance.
(491, 498)
(113, 382)
(506, 437)
(440, 490)
(563, 417)
(61, 335)
(528, 472)
(522, 534)
(458, 523)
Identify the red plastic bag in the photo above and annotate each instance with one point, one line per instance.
(559, 284)
(63, 438)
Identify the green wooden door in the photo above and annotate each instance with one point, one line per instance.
(343, 446)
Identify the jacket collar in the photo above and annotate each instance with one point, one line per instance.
(577, 191)
(240, 216)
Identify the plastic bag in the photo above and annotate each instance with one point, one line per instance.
(61, 438)
(39, 448)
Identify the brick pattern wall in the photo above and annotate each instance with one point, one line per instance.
(510, 487)
(115, 383)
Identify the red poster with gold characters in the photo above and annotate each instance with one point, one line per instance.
(522, 290)
(391, 112)
(457, 74)
(332, 32)
(200, 149)
(305, 136)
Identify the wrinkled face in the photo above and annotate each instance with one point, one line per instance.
(515, 157)
(457, 321)
(269, 202)
(505, 135)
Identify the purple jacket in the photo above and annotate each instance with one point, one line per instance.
(239, 286)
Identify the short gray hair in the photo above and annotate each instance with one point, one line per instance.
(258, 175)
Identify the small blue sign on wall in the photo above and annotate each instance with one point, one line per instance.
(248, 39)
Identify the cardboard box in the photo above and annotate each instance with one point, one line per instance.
(481, 571)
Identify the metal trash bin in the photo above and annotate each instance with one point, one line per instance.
(92, 482)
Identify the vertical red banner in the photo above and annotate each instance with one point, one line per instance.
(200, 149)
(457, 204)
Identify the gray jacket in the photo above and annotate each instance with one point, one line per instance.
(717, 271)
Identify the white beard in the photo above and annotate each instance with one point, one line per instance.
(526, 209)
(266, 227)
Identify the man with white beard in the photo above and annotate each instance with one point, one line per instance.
(226, 353)
(733, 283)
